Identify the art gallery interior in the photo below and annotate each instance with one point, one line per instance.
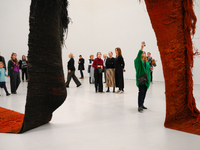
(89, 120)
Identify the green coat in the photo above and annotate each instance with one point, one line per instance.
(140, 69)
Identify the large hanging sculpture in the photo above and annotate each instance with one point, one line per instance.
(46, 87)
(174, 23)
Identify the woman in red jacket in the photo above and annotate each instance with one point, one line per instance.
(98, 68)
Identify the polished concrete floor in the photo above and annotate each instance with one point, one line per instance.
(93, 121)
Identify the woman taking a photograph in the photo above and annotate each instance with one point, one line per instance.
(71, 72)
(119, 69)
(110, 72)
(98, 69)
(13, 72)
(143, 77)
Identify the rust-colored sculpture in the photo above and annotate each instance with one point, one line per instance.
(174, 23)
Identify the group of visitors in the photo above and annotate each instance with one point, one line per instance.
(13, 72)
(112, 67)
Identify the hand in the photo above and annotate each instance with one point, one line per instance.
(79, 62)
(69, 71)
(98, 66)
(124, 70)
(8, 76)
(22, 65)
(5, 70)
(142, 46)
(102, 67)
(151, 68)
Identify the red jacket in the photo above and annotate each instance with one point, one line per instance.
(97, 62)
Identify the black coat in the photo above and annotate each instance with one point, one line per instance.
(81, 64)
(119, 77)
(110, 63)
(3, 60)
(70, 65)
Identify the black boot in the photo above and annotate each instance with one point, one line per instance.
(90, 80)
(113, 89)
(108, 90)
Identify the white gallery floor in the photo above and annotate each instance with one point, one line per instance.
(93, 121)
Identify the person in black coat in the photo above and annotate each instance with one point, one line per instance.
(71, 72)
(119, 69)
(23, 66)
(3, 60)
(81, 66)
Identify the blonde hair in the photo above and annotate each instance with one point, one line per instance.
(71, 54)
(1, 63)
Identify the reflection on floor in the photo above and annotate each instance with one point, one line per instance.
(93, 121)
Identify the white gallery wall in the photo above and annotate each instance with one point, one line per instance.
(97, 26)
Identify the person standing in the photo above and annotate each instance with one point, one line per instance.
(104, 66)
(13, 72)
(81, 66)
(110, 72)
(98, 69)
(143, 77)
(91, 69)
(2, 78)
(3, 60)
(71, 72)
(119, 69)
(23, 65)
(150, 59)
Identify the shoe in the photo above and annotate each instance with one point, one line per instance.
(108, 91)
(14, 93)
(7, 94)
(101, 92)
(81, 78)
(121, 92)
(140, 109)
(78, 85)
(144, 107)
(67, 86)
(117, 91)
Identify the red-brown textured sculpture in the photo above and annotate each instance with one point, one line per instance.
(174, 23)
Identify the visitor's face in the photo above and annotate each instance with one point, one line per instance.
(116, 52)
(69, 56)
(99, 55)
(92, 57)
(14, 56)
(1, 65)
(144, 54)
(110, 55)
(24, 57)
(104, 56)
(149, 55)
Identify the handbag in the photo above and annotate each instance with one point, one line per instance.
(154, 63)
(100, 70)
(142, 79)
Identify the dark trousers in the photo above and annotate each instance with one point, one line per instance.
(142, 95)
(104, 70)
(98, 81)
(72, 75)
(14, 81)
(24, 72)
(151, 76)
(3, 85)
(81, 71)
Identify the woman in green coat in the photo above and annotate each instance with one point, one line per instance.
(142, 67)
